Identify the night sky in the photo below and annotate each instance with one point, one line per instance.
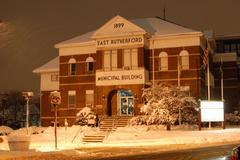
(30, 28)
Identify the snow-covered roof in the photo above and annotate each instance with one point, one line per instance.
(155, 27)
(160, 27)
(84, 38)
(51, 66)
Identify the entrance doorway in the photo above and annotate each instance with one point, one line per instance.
(126, 102)
(121, 103)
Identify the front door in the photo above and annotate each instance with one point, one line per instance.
(126, 104)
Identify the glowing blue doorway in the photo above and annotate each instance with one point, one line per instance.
(125, 103)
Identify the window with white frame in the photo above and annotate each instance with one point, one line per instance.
(72, 98)
(89, 97)
(72, 63)
(184, 59)
(54, 77)
(130, 58)
(110, 60)
(89, 62)
(163, 61)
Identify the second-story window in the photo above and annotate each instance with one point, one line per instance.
(130, 59)
(184, 59)
(110, 60)
(54, 77)
(163, 61)
(72, 67)
(89, 62)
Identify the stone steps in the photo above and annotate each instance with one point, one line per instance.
(112, 123)
(93, 138)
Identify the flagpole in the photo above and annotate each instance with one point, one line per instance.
(208, 77)
(221, 70)
(221, 80)
(178, 59)
(179, 74)
(153, 63)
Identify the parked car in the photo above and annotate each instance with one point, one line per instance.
(235, 153)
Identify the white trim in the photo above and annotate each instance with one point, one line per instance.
(89, 91)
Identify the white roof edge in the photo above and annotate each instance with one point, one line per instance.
(62, 45)
(45, 70)
(176, 35)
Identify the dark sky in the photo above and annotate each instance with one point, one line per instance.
(30, 28)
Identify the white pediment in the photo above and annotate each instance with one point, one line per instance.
(118, 26)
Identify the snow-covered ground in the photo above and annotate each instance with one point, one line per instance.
(71, 137)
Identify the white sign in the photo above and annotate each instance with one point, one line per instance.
(121, 77)
(55, 98)
(120, 41)
(212, 111)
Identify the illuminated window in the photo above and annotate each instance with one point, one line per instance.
(89, 62)
(89, 97)
(54, 77)
(130, 59)
(184, 59)
(72, 98)
(72, 66)
(110, 60)
(163, 61)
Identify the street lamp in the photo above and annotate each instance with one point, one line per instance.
(55, 101)
(27, 96)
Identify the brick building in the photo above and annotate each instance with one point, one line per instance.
(106, 69)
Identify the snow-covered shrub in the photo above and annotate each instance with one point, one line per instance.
(5, 130)
(139, 120)
(86, 117)
(233, 118)
(166, 104)
(32, 130)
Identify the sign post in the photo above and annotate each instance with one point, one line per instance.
(212, 111)
(27, 96)
(55, 101)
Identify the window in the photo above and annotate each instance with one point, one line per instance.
(72, 66)
(89, 62)
(110, 60)
(54, 77)
(226, 48)
(184, 59)
(233, 47)
(163, 61)
(238, 49)
(130, 59)
(89, 97)
(72, 98)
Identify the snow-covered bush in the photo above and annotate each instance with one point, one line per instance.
(32, 130)
(233, 118)
(166, 104)
(86, 117)
(5, 130)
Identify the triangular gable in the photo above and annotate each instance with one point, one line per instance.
(118, 26)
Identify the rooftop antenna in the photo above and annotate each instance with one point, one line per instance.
(164, 11)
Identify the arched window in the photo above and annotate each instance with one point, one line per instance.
(184, 59)
(72, 66)
(89, 62)
(163, 61)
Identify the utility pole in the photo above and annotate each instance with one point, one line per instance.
(179, 85)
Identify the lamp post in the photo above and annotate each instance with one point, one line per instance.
(27, 96)
(55, 101)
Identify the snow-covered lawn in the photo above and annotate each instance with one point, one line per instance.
(71, 137)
